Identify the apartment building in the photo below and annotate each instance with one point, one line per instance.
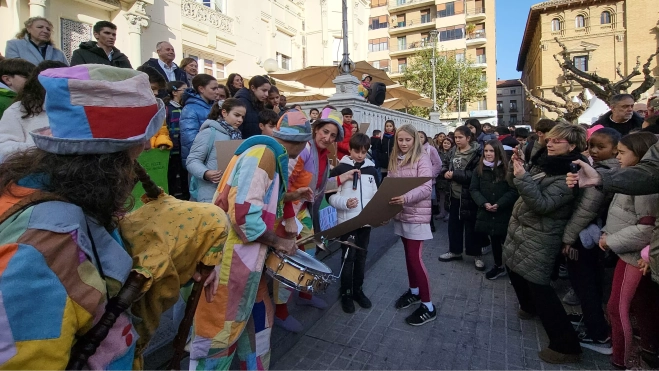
(466, 30)
(225, 36)
(600, 35)
(511, 101)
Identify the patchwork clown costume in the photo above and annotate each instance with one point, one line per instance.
(306, 171)
(58, 267)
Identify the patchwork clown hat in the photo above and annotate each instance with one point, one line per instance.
(293, 126)
(332, 116)
(97, 109)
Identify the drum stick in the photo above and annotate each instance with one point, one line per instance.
(190, 308)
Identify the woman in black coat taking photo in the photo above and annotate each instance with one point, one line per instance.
(388, 139)
(254, 98)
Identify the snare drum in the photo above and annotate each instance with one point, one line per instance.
(300, 271)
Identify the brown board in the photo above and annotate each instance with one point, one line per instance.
(224, 151)
(363, 127)
(378, 209)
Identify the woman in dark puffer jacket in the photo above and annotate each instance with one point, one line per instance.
(535, 234)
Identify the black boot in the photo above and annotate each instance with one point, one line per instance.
(432, 225)
(346, 301)
(361, 299)
(435, 209)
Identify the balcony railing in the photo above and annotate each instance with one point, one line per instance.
(399, 3)
(513, 109)
(478, 34)
(203, 14)
(425, 19)
(408, 46)
(481, 59)
(402, 68)
(475, 11)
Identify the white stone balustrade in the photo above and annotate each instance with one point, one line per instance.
(376, 116)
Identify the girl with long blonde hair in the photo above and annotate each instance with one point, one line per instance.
(408, 159)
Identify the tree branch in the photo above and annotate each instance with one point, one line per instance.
(649, 81)
(549, 104)
(569, 65)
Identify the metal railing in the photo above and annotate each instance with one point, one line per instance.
(481, 59)
(478, 34)
(425, 19)
(408, 46)
(448, 13)
(476, 11)
(399, 3)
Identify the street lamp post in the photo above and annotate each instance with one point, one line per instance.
(347, 66)
(433, 36)
(459, 97)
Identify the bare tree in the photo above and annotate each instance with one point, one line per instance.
(567, 109)
(602, 87)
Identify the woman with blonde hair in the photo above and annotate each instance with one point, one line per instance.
(33, 43)
(409, 160)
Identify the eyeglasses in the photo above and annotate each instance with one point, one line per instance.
(556, 141)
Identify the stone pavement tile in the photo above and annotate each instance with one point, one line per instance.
(479, 364)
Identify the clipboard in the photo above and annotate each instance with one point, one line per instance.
(363, 127)
(224, 151)
(378, 209)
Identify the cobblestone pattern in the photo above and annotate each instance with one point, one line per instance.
(477, 326)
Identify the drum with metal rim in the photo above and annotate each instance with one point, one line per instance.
(300, 271)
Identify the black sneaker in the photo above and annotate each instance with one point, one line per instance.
(495, 273)
(407, 299)
(346, 302)
(361, 299)
(600, 346)
(421, 316)
(576, 319)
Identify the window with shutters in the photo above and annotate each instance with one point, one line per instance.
(425, 16)
(580, 21)
(402, 43)
(376, 23)
(447, 9)
(513, 119)
(380, 44)
(451, 33)
(376, 3)
(283, 61)
(480, 55)
(556, 25)
(72, 34)
(605, 18)
(513, 105)
(402, 65)
(581, 63)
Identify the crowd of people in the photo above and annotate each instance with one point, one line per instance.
(70, 148)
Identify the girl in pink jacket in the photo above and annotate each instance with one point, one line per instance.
(408, 159)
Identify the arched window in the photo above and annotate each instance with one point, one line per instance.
(555, 24)
(605, 18)
(580, 21)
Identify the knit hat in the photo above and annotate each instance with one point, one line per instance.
(332, 116)
(364, 76)
(97, 109)
(293, 126)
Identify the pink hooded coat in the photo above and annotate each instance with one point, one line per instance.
(418, 207)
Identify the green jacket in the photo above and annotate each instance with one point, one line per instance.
(6, 99)
(485, 189)
(536, 226)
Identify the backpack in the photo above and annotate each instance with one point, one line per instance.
(377, 93)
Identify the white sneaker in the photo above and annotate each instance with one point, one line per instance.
(479, 263)
(447, 257)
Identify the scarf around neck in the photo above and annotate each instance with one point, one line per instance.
(233, 133)
(490, 164)
(558, 165)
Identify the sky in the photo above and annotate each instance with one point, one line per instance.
(510, 22)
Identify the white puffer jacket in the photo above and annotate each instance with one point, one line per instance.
(366, 188)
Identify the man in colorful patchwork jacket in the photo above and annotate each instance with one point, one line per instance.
(60, 256)
(239, 319)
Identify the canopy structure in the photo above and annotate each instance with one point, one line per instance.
(402, 103)
(399, 91)
(305, 97)
(322, 76)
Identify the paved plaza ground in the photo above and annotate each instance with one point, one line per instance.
(476, 327)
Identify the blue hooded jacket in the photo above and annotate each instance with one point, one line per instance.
(195, 112)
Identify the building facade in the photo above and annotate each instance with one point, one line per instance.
(599, 36)
(225, 36)
(511, 100)
(466, 30)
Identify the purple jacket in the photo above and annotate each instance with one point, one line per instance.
(434, 159)
(418, 207)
